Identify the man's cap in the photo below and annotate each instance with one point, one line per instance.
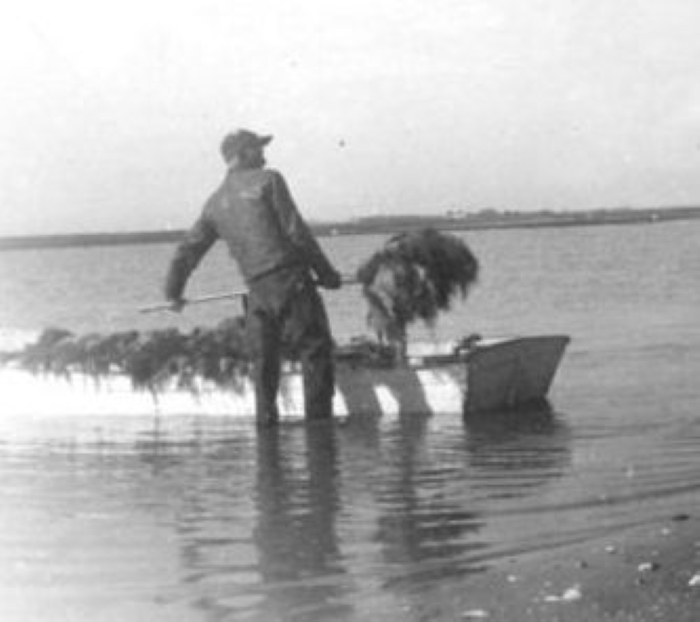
(234, 143)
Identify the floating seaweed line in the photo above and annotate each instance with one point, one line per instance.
(159, 359)
(151, 359)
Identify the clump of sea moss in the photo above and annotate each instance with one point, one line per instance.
(151, 359)
(414, 277)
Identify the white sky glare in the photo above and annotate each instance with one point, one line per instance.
(111, 113)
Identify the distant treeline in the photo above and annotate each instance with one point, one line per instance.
(89, 239)
(454, 220)
(495, 219)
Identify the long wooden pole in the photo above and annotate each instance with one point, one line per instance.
(242, 293)
(166, 306)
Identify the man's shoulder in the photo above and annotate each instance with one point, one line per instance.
(213, 201)
(272, 175)
(252, 176)
(270, 180)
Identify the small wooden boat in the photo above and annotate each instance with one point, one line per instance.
(494, 374)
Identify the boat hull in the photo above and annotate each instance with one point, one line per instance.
(493, 376)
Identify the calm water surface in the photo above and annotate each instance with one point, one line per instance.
(151, 518)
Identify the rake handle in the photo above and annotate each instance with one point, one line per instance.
(165, 306)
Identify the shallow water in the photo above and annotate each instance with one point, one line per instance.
(207, 519)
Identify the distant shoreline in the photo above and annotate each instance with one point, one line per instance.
(382, 225)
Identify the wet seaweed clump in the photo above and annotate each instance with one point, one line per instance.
(157, 359)
(416, 276)
(152, 359)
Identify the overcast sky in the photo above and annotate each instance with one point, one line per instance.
(111, 113)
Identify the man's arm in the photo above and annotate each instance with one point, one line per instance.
(300, 235)
(198, 240)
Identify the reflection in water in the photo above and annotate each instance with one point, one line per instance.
(424, 535)
(440, 484)
(214, 514)
(260, 524)
(528, 446)
(298, 553)
(320, 522)
(258, 531)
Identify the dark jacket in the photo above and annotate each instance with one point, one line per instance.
(254, 213)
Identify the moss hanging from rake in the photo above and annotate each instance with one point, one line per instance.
(157, 359)
(414, 277)
(152, 359)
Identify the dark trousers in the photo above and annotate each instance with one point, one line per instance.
(285, 306)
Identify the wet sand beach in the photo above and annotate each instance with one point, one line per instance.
(650, 572)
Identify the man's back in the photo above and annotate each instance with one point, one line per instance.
(254, 213)
(246, 214)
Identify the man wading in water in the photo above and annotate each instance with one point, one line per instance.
(281, 262)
